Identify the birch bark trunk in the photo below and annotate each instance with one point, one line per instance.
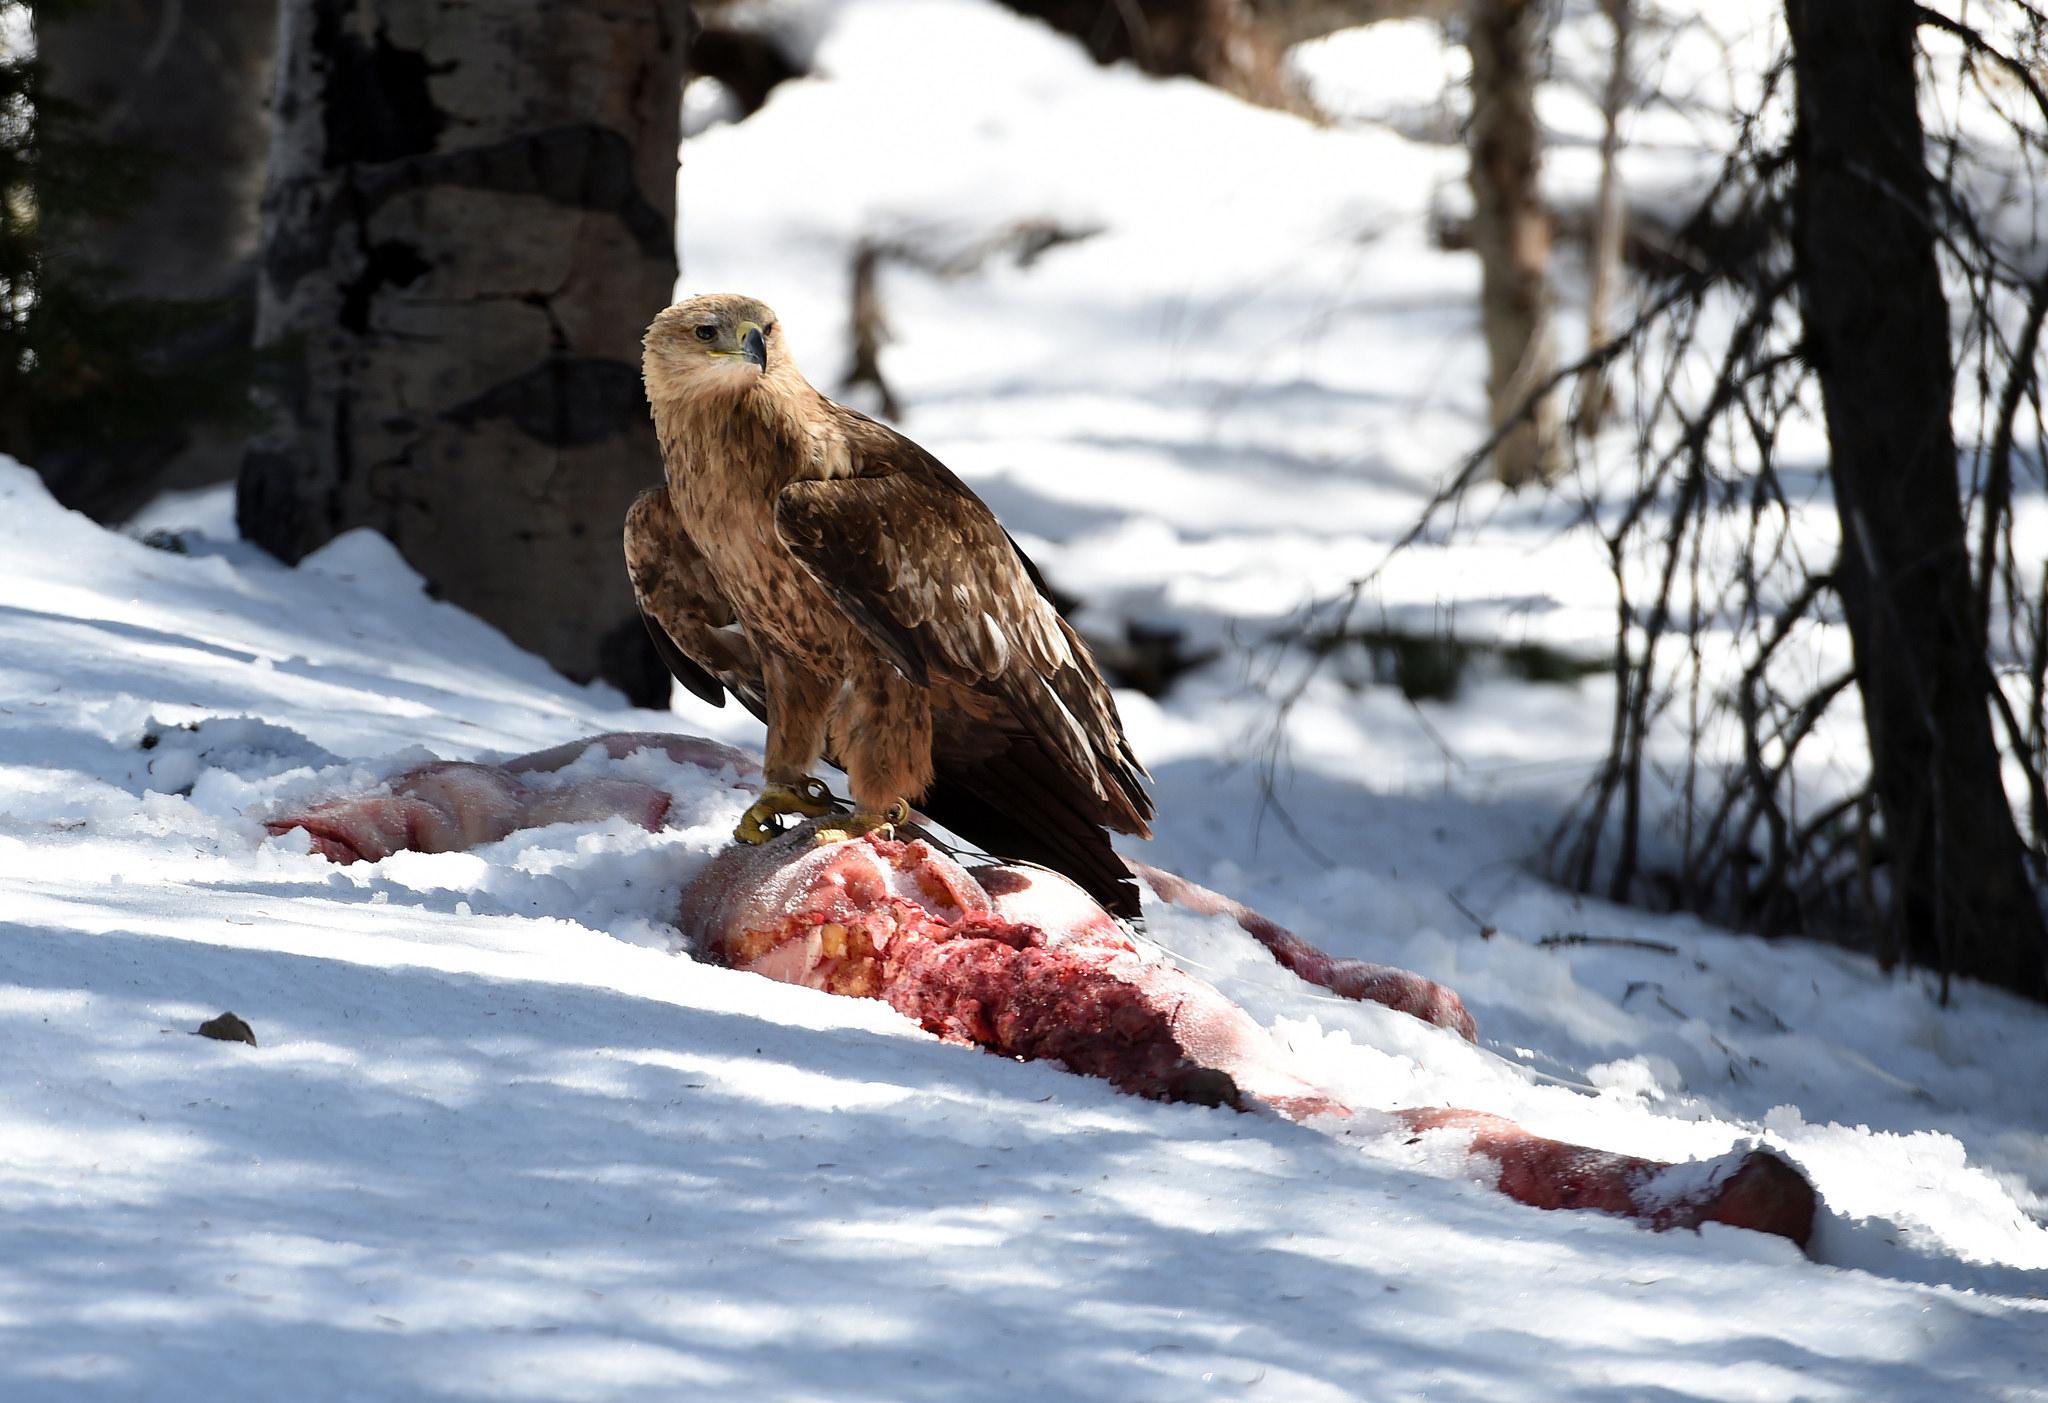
(469, 220)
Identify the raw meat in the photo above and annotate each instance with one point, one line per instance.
(1021, 961)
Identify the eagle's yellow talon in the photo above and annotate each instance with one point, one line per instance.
(758, 824)
(859, 825)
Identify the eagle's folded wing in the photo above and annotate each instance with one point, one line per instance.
(923, 567)
(692, 624)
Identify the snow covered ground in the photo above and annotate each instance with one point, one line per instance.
(498, 1140)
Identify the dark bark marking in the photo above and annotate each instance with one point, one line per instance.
(564, 402)
(375, 104)
(585, 166)
(392, 263)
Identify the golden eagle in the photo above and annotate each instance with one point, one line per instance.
(858, 598)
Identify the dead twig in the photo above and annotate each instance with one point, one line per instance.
(1575, 938)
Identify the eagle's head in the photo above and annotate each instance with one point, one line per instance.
(711, 347)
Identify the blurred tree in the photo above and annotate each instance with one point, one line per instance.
(133, 138)
(1239, 46)
(1609, 215)
(469, 221)
(748, 49)
(1222, 42)
(1511, 233)
(1877, 333)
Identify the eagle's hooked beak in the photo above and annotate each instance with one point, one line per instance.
(754, 346)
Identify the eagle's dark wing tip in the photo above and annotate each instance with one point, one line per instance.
(1122, 899)
(681, 666)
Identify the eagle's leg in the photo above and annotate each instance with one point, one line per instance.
(884, 735)
(798, 701)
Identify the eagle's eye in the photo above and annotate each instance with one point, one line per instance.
(707, 333)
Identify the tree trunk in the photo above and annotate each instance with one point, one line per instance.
(1511, 233)
(1877, 330)
(184, 84)
(470, 220)
(1609, 216)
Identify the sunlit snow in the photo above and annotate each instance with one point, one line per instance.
(499, 1140)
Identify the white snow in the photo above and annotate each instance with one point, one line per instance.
(498, 1140)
